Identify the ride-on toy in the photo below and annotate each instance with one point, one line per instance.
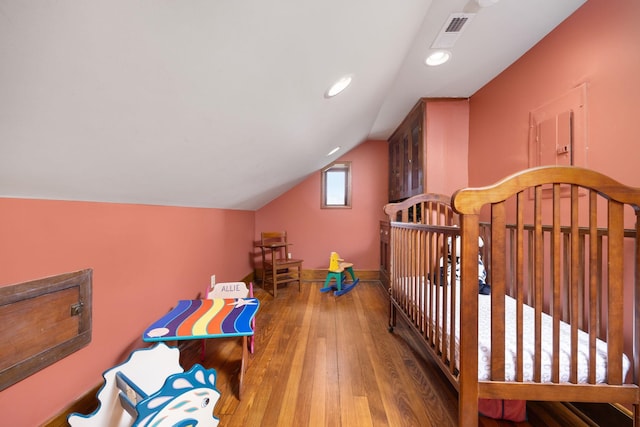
(337, 272)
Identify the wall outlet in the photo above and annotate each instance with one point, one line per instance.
(213, 280)
(289, 254)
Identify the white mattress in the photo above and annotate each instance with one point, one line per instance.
(484, 345)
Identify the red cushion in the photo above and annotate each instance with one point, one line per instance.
(500, 409)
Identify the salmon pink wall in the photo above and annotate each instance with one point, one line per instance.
(353, 233)
(144, 258)
(597, 45)
(447, 136)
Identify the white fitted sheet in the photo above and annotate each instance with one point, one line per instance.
(484, 342)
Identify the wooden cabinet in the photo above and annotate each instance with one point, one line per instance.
(406, 157)
(385, 253)
(428, 152)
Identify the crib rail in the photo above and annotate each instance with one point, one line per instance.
(419, 290)
(423, 225)
(425, 310)
(585, 240)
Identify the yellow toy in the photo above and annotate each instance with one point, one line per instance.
(337, 268)
(335, 263)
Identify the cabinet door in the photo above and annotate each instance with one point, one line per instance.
(406, 175)
(406, 165)
(396, 169)
(415, 176)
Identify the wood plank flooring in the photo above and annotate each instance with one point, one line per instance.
(322, 360)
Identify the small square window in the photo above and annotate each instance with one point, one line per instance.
(336, 185)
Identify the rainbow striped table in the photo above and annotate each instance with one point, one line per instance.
(207, 318)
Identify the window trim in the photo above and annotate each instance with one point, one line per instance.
(338, 165)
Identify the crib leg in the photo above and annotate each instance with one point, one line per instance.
(392, 316)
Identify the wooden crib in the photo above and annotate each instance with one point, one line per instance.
(560, 249)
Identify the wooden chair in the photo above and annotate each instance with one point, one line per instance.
(277, 267)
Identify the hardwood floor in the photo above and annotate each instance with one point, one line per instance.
(322, 360)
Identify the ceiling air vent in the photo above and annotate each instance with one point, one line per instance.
(451, 30)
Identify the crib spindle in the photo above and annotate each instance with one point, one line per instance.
(519, 285)
(594, 261)
(498, 273)
(556, 272)
(537, 246)
(574, 283)
(615, 288)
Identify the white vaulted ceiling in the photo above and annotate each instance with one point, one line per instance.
(220, 103)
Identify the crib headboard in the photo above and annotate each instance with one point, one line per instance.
(428, 208)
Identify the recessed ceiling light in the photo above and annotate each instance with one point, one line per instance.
(338, 87)
(335, 150)
(486, 3)
(438, 57)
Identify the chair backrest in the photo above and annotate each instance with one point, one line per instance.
(228, 290)
(274, 238)
(334, 262)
